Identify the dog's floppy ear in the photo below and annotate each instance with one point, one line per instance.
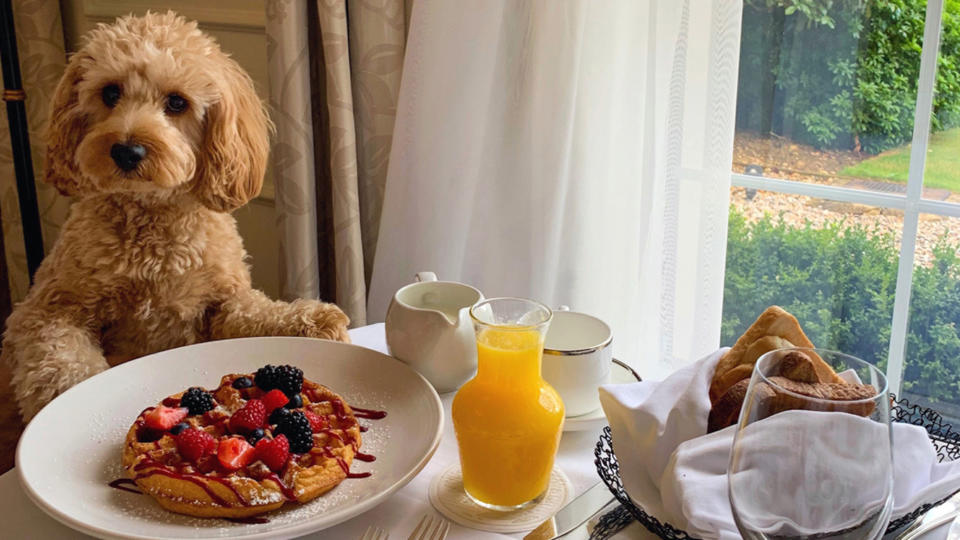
(65, 130)
(233, 158)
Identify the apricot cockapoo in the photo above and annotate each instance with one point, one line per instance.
(157, 135)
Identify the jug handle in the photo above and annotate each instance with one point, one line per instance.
(425, 276)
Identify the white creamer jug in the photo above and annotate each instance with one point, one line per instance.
(428, 327)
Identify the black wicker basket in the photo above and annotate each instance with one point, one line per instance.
(945, 440)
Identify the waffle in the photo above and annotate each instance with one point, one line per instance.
(204, 487)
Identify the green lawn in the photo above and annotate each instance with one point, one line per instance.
(942, 169)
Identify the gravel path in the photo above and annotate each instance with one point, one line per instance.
(783, 159)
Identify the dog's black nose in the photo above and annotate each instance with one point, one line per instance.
(127, 156)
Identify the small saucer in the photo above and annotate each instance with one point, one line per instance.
(447, 497)
(595, 420)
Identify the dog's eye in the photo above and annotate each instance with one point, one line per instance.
(111, 95)
(176, 104)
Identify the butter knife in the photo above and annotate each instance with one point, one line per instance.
(935, 518)
(954, 533)
(574, 514)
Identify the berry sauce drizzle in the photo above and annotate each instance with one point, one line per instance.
(252, 520)
(153, 467)
(369, 414)
(365, 457)
(122, 483)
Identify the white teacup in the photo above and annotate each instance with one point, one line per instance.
(577, 355)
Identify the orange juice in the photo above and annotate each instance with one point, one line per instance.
(508, 420)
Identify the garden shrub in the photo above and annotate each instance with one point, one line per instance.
(839, 281)
(842, 73)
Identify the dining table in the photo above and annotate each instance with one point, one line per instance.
(399, 514)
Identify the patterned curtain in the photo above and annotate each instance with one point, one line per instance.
(334, 68)
(42, 60)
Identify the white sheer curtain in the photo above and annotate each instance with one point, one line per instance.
(575, 152)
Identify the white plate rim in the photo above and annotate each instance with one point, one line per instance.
(334, 518)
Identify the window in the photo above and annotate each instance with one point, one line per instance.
(845, 206)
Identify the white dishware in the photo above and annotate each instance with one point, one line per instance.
(428, 327)
(576, 359)
(595, 420)
(72, 449)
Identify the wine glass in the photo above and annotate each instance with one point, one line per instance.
(812, 467)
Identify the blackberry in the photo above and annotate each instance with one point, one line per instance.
(197, 400)
(296, 427)
(255, 436)
(295, 402)
(242, 382)
(175, 430)
(277, 415)
(286, 378)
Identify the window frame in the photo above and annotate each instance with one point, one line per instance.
(912, 203)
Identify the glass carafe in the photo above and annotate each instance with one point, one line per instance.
(508, 420)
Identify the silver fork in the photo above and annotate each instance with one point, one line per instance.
(430, 528)
(375, 533)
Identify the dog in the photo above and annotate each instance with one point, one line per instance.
(157, 135)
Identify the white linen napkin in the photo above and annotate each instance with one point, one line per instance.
(677, 472)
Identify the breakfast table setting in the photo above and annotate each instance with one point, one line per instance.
(452, 371)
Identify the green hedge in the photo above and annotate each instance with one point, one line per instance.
(839, 281)
(842, 73)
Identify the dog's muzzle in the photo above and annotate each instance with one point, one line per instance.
(127, 156)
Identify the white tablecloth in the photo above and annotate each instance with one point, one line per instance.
(20, 518)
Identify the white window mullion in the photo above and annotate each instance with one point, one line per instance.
(911, 212)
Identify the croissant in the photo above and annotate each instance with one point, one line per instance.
(771, 399)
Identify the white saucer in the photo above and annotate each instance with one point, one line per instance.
(596, 420)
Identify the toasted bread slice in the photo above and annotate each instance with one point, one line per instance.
(773, 329)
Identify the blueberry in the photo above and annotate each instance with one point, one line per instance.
(255, 436)
(175, 430)
(242, 382)
(295, 402)
(278, 414)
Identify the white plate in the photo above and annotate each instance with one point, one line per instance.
(71, 450)
(596, 420)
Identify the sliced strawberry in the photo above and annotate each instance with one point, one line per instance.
(234, 453)
(164, 418)
(249, 418)
(317, 422)
(274, 399)
(274, 452)
(193, 444)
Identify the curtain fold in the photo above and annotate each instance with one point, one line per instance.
(573, 153)
(42, 61)
(334, 78)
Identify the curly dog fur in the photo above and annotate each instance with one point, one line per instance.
(149, 258)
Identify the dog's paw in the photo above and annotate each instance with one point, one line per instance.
(322, 320)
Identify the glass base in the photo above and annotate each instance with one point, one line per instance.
(509, 508)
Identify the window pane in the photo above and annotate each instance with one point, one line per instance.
(832, 265)
(931, 375)
(822, 95)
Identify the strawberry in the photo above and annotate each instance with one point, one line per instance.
(275, 399)
(317, 422)
(234, 453)
(274, 452)
(249, 418)
(163, 418)
(193, 444)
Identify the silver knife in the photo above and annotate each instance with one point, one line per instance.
(935, 518)
(954, 533)
(574, 514)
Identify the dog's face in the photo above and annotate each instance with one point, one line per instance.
(151, 104)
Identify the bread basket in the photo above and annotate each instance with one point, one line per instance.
(944, 438)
